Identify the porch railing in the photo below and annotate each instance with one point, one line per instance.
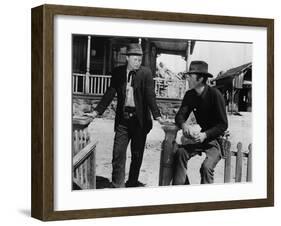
(90, 84)
(97, 85)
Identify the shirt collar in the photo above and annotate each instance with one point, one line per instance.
(203, 94)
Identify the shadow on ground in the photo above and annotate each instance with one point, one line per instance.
(101, 182)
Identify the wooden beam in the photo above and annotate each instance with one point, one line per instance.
(83, 154)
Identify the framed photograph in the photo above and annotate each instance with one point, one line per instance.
(143, 112)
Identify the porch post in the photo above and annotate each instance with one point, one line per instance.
(109, 56)
(153, 60)
(146, 53)
(87, 78)
(187, 54)
(188, 47)
(104, 59)
(232, 98)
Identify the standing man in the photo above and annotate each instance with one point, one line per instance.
(208, 106)
(136, 98)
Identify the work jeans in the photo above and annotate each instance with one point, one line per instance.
(186, 152)
(128, 130)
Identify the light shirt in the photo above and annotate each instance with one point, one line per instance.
(129, 101)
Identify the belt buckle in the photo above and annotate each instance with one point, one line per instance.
(126, 115)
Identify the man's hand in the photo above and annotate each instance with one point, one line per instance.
(92, 114)
(200, 137)
(160, 120)
(185, 130)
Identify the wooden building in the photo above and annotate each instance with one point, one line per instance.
(236, 86)
(94, 57)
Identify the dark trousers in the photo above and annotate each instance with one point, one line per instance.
(128, 130)
(186, 152)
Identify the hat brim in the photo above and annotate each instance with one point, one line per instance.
(132, 54)
(200, 73)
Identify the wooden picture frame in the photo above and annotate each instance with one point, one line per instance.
(43, 111)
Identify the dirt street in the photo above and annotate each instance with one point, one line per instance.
(240, 128)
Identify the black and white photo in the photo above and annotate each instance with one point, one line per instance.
(150, 112)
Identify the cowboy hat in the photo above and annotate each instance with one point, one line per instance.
(199, 67)
(134, 49)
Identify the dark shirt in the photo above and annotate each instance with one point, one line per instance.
(209, 111)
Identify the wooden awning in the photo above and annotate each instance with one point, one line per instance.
(177, 47)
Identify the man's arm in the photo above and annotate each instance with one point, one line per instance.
(184, 112)
(221, 117)
(105, 101)
(108, 96)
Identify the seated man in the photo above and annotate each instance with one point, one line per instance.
(208, 106)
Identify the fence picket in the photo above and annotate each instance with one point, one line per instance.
(81, 175)
(80, 134)
(84, 138)
(76, 143)
(249, 164)
(227, 167)
(238, 170)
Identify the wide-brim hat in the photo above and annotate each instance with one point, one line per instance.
(199, 67)
(134, 49)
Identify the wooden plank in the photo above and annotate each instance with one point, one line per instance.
(102, 85)
(238, 170)
(73, 84)
(95, 84)
(88, 136)
(84, 138)
(77, 182)
(83, 171)
(75, 142)
(88, 172)
(92, 170)
(80, 174)
(83, 154)
(227, 163)
(249, 164)
(76, 84)
(91, 85)
(93, 160)
(80, 139)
